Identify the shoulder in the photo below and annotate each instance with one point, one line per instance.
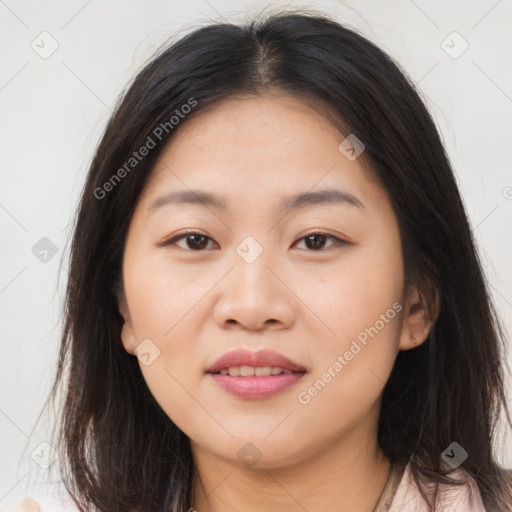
(461, 498)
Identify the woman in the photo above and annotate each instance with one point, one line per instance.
(275, 299)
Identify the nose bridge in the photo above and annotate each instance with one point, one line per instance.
(251, 250)
(251, 262)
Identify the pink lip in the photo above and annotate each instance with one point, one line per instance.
(248, 358)
(255, 387)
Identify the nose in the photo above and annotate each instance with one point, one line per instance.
(255, 296)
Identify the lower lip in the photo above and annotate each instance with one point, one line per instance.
(256, 387)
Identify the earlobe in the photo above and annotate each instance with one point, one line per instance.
(127, 335)
(411, 340)
(128, 338)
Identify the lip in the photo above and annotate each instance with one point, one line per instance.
(255, 387)
(248, 358)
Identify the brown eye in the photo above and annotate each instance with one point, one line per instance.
(316, 241)
(196, 242)
(193, 241)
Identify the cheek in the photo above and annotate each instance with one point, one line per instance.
(351, 295)
(352, 365)
(163, 307)
(163, 294)
(359, 306)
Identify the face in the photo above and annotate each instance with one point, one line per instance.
(319, 282)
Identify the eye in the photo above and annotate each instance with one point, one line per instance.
(316, 240)
(193, 241)
(197, 242)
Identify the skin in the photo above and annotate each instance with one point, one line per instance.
(305, 302)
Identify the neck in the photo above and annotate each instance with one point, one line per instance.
(349, 474)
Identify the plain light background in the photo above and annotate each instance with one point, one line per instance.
(54, 109)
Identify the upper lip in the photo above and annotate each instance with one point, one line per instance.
(248, 358)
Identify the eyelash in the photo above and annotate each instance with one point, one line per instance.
(174, 240)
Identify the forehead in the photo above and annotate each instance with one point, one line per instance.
(283, 125)
(257, 150)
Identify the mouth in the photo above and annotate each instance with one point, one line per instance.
(261, 374)
(255, 371)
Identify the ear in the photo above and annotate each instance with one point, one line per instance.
(418, 319)
(127, 334)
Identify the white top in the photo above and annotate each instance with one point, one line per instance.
(401, 494)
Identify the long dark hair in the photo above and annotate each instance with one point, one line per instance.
(118, 449)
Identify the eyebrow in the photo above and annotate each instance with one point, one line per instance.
(290, 203)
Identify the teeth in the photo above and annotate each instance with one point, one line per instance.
(252, 371)
(262, 371)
